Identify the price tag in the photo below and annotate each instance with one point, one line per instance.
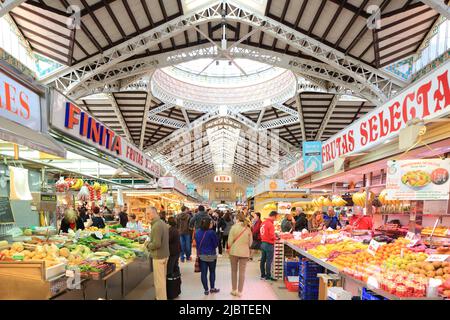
(373, 247)
(70, 273)
(98, 234)
(413, 239)
(437, 257)
(410, 236)
(372, 282)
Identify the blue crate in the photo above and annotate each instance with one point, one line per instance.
(308, 296)
(369, 295)
(291, 268)
(308, 282)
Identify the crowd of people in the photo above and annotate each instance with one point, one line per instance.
(237, 234)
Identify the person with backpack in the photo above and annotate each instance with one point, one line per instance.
(198, 217)
(268, 239)
(239, 242)
(183, 225)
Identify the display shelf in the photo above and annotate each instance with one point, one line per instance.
(350, 278)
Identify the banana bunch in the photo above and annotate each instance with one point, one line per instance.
(327, 202)
(104, 188)
(77, 184)
(318, 202)
(338, 202)
(384, 201)
(96, 186)
(359, 198)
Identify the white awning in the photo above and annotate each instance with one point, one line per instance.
(16, 133)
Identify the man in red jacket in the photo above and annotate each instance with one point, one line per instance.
(268, 239)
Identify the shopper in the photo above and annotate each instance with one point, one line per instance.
(256, 226)
(134, 224)
(71, 221)
(288, 223)
(159, 251)
(123, 216)
(333, 221)
(316, 223)
(207, 244)
(239, 242)
(198, 217)
(183, 219)
(96, 220)
(218, 226)
(174, 247)
(268, 239)
(226, 231)
(107, 213)
(163, 215)
(301, 222)
(83, 213)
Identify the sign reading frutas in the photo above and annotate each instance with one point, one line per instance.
(293, 171)
(428, 98)
(422, 179)
(312, 156)
(222, 179)
(19, 104)
(73, 121)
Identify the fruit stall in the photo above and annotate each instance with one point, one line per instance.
(92, 264)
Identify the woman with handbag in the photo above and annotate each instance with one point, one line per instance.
(239, 242)
(207, 243)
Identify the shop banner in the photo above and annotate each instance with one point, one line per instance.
(312, 156)
(72, 121)
(293, 171)
(223, 179)
(172, 183)
(423, 179)
(19, 104)
(284, 207)
(190, 188)
(250, 192)
(428, 98)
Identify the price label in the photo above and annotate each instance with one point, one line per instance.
(437, 257)
(98, 234)
(373, 247)
(413, 239)
(410, 236)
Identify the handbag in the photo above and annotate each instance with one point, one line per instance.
(197, 259)
(237, 238)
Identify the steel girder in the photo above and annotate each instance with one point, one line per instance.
(317, 72)
(439, 6)
(8, 5)
(119, 116)
(161, 108)
(300, 116)
(327, 117)
(279, 122)
(378, 82)
(167, 122)
(148, 103)
(285, 109)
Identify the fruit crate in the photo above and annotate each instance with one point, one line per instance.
(369, 295)
(291, 268)
(291, 286)
(308, 283)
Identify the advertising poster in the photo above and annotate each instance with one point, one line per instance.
(284, 207)
(423, 179)
(312, 156)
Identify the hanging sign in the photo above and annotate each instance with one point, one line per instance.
(312, 156)
(172, 183)
(19, 104)
(422, 179)
(284, 207)
(428, 98)
(222, 179)
(70, 120)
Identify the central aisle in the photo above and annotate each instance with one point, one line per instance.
(254, 289)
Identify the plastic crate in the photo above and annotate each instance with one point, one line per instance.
(308, 296)
(291, 286)
(291, 268)
(369, 295)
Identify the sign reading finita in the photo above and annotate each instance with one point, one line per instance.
(19, 104)
(222, 179)
(72, 121)
(421, 179)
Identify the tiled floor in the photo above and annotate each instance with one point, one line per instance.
(254, 289)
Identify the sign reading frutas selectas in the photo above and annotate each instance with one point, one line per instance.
(293, 171)
(19, 104)
(422, 179)
(72, 121)
(312, 156)
(428, 98)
